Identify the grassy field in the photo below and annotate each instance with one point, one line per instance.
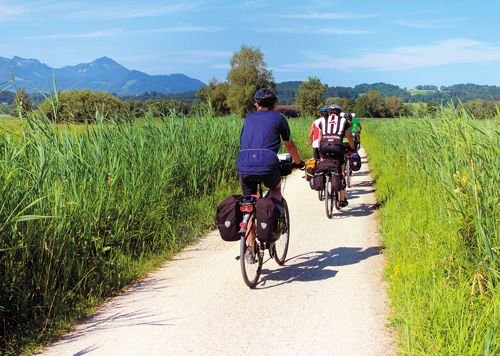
(86, 210)
(415, 92)
(438, 184)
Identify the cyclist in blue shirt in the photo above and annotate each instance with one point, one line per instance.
(260, 142)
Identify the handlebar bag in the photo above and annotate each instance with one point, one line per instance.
(228, 218)
(267, 214)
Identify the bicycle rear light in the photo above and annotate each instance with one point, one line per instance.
(248, 208)
(243, 224)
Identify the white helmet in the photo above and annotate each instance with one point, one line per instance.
(342, 114)
(353, 115)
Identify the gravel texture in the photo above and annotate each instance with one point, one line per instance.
(327, 299)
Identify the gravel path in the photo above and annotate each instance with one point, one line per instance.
(327, 299)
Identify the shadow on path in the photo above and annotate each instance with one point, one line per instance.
(315, 266)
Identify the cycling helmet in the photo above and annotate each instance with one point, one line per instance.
(342, 114)
(335, 106)
(266, 97)
(353, 115)
(323, 111)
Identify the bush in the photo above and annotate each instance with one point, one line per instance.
(80, 105)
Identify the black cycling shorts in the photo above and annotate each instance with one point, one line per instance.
(249, 183)
(332, 152)
(316, 155)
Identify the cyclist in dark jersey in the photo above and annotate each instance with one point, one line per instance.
(331, 134)
(260, 142)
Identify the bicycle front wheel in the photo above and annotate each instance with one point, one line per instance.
(281, 246)
(329, 196)
(251, 266)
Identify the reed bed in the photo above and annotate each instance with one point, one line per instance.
(438, 181)
(87, 209)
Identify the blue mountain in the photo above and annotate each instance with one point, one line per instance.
(103, 74)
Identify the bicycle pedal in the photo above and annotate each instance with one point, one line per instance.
(238, 258)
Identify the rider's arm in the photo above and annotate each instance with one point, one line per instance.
(320, 136)
(349, 138)
(290, 146)
(311, 134)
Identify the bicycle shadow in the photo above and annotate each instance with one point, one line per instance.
(315, 266)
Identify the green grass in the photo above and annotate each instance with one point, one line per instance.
(437, 179)
(415, 92)
(86, 210)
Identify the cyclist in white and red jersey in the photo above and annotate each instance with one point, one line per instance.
(314, 133)
(331, 134)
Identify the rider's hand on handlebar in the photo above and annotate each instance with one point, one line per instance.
(300, 165)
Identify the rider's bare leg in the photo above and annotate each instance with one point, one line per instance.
(342, 195)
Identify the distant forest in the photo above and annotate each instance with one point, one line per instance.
(472, 94)
(287, 90)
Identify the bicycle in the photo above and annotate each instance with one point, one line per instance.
(251, 268)
(331, 194)
(347, 169)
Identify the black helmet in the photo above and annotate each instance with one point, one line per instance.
(265, 93)
(266, 97)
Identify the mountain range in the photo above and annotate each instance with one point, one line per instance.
(103, 74)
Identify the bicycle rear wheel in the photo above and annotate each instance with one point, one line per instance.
(321, 195)
(329, 196)
(281, 246)
(250, 267)
(348, 173)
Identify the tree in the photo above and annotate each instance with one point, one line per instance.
(310, 96)
(370, 104)
(432, 107)
(216, 95)
(247, 75)
(82, 105)
(394, 106)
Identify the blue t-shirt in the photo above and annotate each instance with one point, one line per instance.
(260, 141)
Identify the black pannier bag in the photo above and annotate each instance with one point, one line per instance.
(267, 214)
(310, 174)
(317, 181)
(331, 166)
(355, 160)
(228, 218)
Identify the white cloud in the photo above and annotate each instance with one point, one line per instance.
(110, 10)
(95, 34)
(183, 28)
(432, 24)
(340, 31)
(221, 66)
(314, 31)
(10, 12)
(145, 57)
(118, 32)
(452, 51)
(202, 53)
(328, 16)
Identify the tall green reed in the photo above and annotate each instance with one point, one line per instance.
(437, 179)
(80, 207)
(86, 209)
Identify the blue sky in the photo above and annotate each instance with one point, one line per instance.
(343, 43)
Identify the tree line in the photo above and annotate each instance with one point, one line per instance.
(247, 74)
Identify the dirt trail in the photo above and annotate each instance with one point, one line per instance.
(327, 299)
